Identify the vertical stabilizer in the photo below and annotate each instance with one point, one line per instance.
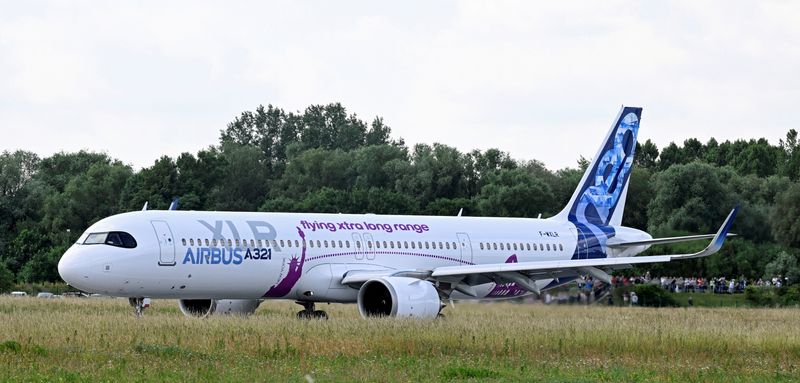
(600, 197)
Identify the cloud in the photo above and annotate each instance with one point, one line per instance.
(538, 80)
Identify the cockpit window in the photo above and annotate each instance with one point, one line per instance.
(95, 238)
(113, 238)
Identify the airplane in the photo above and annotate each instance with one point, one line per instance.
(389, 265)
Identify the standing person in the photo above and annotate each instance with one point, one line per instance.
(634, 299)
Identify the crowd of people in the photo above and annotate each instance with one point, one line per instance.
(716, 285)
(589, 290)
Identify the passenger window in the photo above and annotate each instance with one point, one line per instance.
(561, 246)
(191, 241)
(481, 245)
(333, 244)
(419, 243)
(358, 244)
(230, 243)
(237, 242)
(412, 244)
(528, 245)
(440, 245)
(548, 247)
(384, 245)
(369, 244)
(340, 243)
(494, 245)
(296, 243)
(427, 245)
(207, 242)
(281, 242)
(455, 246)
(447, 245)
(319, 244)
(501, 246)
(377, 244)
(260, 243)
(347, 244)
(515, 246)
(311, 243)
(325, 243)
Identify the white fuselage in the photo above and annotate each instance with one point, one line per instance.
(238, 255)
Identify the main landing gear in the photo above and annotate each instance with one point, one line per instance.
(308, 311)
(139, 304)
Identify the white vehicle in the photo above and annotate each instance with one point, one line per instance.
(45, 295)
(19, 294)
(390, 265)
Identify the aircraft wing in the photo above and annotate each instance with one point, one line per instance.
(524, 273)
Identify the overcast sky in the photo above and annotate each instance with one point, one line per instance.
(541, 80)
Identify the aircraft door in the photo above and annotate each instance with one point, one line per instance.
(358, 245)
(465, 245)
(370, 246)
(166, 244)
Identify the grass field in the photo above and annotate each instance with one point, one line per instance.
(100, 340)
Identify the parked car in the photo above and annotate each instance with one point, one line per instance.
(19, 294)
(45, 295)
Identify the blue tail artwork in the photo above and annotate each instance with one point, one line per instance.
(598, 202)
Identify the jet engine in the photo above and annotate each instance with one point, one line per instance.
(202, 308)
(398, 297)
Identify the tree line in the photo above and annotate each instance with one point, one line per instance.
(325, 159)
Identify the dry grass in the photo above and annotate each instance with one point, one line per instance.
(99, 339)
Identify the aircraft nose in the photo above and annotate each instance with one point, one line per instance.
(68, 267)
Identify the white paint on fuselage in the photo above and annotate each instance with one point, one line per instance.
(137, 272)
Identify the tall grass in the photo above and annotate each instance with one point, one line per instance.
(100, 339)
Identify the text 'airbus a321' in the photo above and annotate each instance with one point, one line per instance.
(389, 265)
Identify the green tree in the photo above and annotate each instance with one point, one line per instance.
(786, 216)
(516, 193)
(691, 197)
(6, 278)
(646, 155)
(786, 265)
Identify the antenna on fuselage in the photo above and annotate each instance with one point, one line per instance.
(540, 216)
(174, 204)
(460, 211)
(144, 208)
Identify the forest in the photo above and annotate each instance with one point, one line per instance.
(325, 159)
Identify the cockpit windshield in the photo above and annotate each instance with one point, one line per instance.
(113, 238)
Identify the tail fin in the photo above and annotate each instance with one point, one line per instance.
(599, 199)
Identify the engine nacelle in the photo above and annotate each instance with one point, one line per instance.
(398, 297)
(202, 308)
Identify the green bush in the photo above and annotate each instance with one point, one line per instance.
(773, 296)
(760, 296)
(649, 295)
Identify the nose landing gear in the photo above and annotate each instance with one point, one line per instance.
(309, 312)
(139, 304)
